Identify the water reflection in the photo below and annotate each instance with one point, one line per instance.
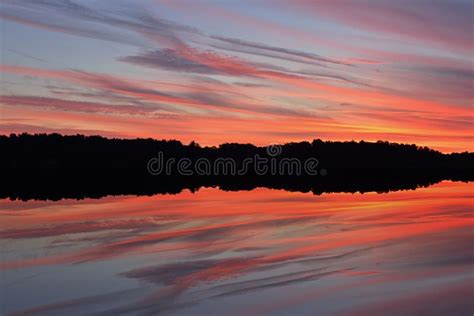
(242, 253)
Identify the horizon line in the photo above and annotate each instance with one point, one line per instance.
(237, 143)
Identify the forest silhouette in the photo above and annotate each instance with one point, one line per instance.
(53, 166)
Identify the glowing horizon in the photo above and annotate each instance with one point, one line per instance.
(245, 71)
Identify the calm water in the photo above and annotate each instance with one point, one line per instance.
(261, 252)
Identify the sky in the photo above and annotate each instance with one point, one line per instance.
(243, 71)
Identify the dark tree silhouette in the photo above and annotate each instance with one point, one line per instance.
(55, 166)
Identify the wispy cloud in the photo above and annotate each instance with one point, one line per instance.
(442, 23)
(79, 106)
(243, 46)
(82, 20)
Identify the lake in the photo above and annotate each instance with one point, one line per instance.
(259, 252)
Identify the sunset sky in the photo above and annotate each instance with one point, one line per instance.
(241, 71)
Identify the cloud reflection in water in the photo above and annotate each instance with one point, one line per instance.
(243, 253)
